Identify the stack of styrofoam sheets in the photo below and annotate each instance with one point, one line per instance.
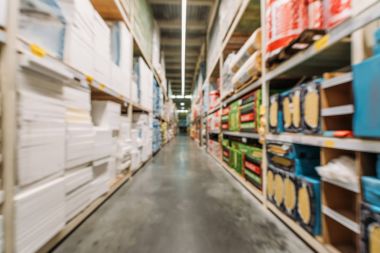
(122, 51)
(78, 200)
(80, 34)
(1, 232)
(41, 127)
(106, 114)
(41, 23)
(145, 83)
(104, 143)
(123, 157)
(80, 134)
(135, 159)
(3, 13)
(101, 170)
(39, 215)
(102, 50)
(77, 177)
(156, 46)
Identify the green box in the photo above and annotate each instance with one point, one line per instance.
(234, 116)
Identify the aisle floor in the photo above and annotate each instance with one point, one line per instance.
(182, 202)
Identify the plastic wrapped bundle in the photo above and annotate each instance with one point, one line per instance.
(234, 116)
(249, 48)
(315, 14)
(286, 20)
(250, 71)
(275, 114)
(227, 76)
(250, 112)
(290, 195)
(311, 107)
(309, 204)
(270, 184)
(291, 107)
(252, 170)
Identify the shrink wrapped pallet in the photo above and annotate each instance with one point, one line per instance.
(370, 229)
(286, 20)
(250, 71)
(252, 45)
(227, 86)
(39, 215)
(309, 204)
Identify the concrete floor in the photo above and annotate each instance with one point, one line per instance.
(182, 202)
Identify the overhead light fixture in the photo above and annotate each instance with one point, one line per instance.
(180, 96)
(182, 103)
(183, 45)
(185, 111)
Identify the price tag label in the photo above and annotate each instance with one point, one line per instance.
(322, 42)
(102, 87)
(329, 144)
(37, 50)
(89, 79)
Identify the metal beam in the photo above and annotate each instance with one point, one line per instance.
(178, 53)
(189, 2)
(176, 24)
(165, 41)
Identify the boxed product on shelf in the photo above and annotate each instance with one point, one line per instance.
(270, 184)
(246, 51)
(3, 14)
(290, 195)
(43, 23)
(156, 43)
(144, 77)
(315, 14)
(135, 159)
(106, 114)
(41, 127)
(370, 229)
(227, 86)
(39, 215)
(336, 11)
(236, 160)
(359, 5)
(250, 112)
(309, 204)
(366, 92)
(234, 116)
(225, 118)
(249, 72)
(252, 169)
(279, 189)
(291, 108)
(294, 158)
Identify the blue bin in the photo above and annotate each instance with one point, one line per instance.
(371, 190)
(366, 86)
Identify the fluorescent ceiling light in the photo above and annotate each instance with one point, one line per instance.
(180, 96)
(183, 45)
(183, 111)
(182, 103)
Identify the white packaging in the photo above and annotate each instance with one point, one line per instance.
(77, 200)
(99, 187)
(101, 167)
(360, 5)
(3, 13)
(104, 143)
(102, 68)
(39, 215)
(77, 177)
(106, 114)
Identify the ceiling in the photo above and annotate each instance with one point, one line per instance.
(167, 13)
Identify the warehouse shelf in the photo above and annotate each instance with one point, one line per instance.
(337, 110)
(235, 22)
(254, 191)
(329, 83)
(353, 144)
(114, 10)
(308, 238)
(242, 134)
(313, 60)
(249, 88)
(214, 132)
(348, 186)
(343, 217)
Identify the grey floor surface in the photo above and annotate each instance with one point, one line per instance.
(182, 202)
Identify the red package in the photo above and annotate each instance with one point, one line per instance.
(315, 14)
(286, 20)
(247, 117)
(336, 11)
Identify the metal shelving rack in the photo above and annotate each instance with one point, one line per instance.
(13, 48)
(333, 47)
